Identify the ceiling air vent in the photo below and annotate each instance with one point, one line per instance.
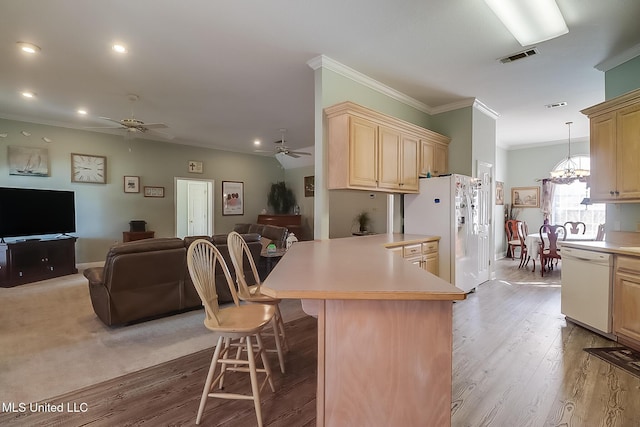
(520, 55)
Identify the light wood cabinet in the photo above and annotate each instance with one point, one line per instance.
(434, 157)
(423, 254)
(626, 301)
(371, 151)
(615, 149)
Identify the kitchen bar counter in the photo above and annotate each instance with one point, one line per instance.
(384, 330)
(607, 247)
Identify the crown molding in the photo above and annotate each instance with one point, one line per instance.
(619, 59)
(323, 61)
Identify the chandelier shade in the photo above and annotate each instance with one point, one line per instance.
(571, 172)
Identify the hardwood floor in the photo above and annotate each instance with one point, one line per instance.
(516, 363)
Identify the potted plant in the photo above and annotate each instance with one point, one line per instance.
(363, 219)
(280, 198)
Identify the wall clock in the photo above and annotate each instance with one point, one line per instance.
(88, 168)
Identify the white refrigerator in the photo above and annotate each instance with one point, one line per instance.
(453, 207)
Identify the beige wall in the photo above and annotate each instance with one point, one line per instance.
(103, 212)
(295, 180)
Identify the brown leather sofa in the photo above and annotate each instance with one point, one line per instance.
(149, 278)
(278, 235)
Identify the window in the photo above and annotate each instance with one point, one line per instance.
(567, 198)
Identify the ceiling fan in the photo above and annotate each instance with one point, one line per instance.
(283, 149)
(132, 125)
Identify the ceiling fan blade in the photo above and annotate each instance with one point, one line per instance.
(112, 120)
(299, 153)
(165, 135)
(154, 125)
(291, 154)
(106, 127)
(263, 151)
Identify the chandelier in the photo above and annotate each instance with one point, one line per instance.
(571, 171)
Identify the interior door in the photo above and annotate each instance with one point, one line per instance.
(485, 204)
(194, 207)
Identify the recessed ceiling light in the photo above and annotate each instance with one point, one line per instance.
(119, 48)
(28, 94)
(28, 47)
(82, 112)
(256, 142)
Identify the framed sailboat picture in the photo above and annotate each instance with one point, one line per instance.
(28, 161)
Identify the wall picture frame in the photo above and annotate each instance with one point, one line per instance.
(150, 191)
(309, 186)
(28, 161)
(232, 198)
(499, 193)
(131, 184)
(195, 166)
(525, 197)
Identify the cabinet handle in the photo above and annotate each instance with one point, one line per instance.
(617, 193)
(611, 193)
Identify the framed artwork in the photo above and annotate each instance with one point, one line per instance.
(153, 191)
(195, 166)
(232, 198)
(309, 186)
(525, 197)
(28, 161)
(499, 193)
(88, 168)
(131, 184)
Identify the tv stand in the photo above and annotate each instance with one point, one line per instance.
(33, 260)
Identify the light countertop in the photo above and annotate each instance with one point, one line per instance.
(607, 247)
(358, 267)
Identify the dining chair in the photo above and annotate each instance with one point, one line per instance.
(523, 230)
(513, 241)
(600, 234)
(240, 254)
(549, 247)
(237, 326)
(574, 227)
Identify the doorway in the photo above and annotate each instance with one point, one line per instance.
(194, 207)
(484, 173)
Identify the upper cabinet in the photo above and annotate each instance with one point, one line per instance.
(371, 151)
(615, 149)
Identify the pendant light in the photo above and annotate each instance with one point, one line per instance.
(571, 171)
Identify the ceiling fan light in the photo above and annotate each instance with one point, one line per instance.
(530, 21)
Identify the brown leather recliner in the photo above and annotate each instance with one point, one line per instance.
(140, 279)
(278, 235)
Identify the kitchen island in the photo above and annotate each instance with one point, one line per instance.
(384, 330)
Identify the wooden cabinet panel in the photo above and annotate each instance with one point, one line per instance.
(369, 150)
(615, 149)
(427, 157)
(628, 152)
(424, 254)
(626, 301)
(363, 152)
(441, 159)
(389, 146)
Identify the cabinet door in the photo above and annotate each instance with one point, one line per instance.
(441, 160)
(603, 157)
(389, 146)
(409, 181)
(363, 153)
(628, 153)
(431, 264)
(626, 311)
(427, 156)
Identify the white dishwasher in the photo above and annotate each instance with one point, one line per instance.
(587, 289)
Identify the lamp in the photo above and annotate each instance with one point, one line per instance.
(530, 21)
(571, 172)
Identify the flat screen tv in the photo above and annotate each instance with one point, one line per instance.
(31, 212)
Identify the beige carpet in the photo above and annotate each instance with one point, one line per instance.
(51, 341)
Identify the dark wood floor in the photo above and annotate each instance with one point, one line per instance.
(516, 363)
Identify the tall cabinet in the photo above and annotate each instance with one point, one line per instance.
(372, 151)
(615, 149)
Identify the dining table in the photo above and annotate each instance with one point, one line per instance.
(533, 240)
